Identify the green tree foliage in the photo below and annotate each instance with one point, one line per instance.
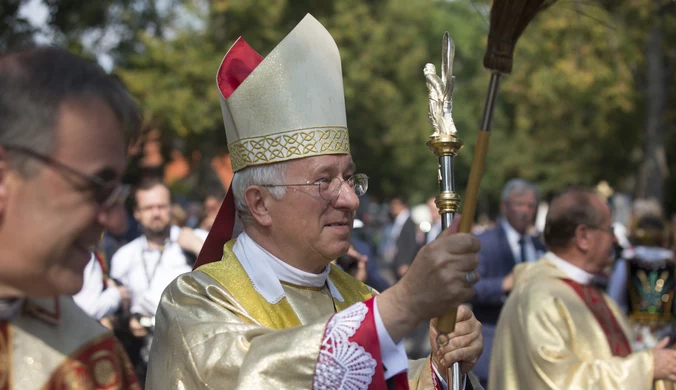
(574, 112)
(384, 48)
(85, 26)
(14, 29)
(577, 97)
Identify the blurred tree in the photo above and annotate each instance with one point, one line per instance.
(383, 46)
(585, 101)
(15, 30)
(92, 28)
(589, 99)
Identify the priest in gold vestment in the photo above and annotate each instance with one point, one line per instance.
(266, 310)
(63, 142)
(556, 330)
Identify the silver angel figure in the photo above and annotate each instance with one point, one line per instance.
(440, 91)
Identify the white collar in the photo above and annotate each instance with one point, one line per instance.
(512, 235)
(399, 222)
(514, 238)
(265, 271)
(577, 274)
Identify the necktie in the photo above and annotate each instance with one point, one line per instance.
(522, 248)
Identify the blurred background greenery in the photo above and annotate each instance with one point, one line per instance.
(591, 97)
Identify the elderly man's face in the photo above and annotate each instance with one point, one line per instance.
(316, 230)
(519, 209)
(50, 220)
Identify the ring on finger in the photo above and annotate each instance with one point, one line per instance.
(470, 277)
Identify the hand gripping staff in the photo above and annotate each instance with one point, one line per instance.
(509, 19)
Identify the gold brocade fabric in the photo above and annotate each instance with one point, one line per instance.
(53, 344)
(214, 331)
(547, 338)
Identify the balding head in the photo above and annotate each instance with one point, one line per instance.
(567, 212)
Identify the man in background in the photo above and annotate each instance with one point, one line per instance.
(557, 330)
(405, 237)
(101, 297)
(502, 247)
(149, 263)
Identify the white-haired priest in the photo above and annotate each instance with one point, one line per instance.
(267, 310)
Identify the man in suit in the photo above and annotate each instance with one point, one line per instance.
(405, 237)
(435, 228)
(502, 247)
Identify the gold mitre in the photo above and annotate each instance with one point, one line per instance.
(288, 105)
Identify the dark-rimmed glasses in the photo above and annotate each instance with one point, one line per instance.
(610, 230)
(329, 189)
(105, 193)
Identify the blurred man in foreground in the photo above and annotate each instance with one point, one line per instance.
(64, 130)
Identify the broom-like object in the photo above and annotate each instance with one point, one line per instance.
(509, 19)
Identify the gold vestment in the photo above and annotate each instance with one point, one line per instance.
(215, 331)
(547, 338)
(53, 344)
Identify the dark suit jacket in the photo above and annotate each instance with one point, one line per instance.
(373, 277)
(495, 262)
(407, 245)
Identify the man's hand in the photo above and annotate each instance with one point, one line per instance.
(361, 274)
(125, 295)
(508, 282)
(435, 282)
(401, 271)
(188, 241)
(665, 361)
(465, 345)
(136, 328)
(107, 322)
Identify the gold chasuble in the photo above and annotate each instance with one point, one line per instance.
(51, 344)
(548, 337)
(215, 331)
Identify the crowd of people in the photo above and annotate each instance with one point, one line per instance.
(288, 281)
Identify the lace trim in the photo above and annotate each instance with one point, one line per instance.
(342, 364)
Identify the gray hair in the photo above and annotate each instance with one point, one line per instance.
(274, 174)
(35, 83)
(518, 186)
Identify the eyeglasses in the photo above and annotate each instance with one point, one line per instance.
(610, 230)
(106, 194)
(329, 189)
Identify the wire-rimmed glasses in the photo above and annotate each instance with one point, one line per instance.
(329, 189)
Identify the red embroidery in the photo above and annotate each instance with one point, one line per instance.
(100, 257)
(593, 298)
(102, 365)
